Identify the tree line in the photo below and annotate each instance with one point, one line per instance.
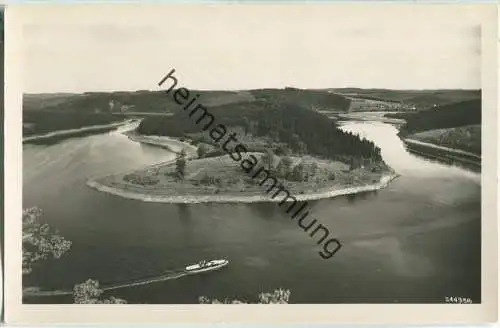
(44, 121)
(445, 116)
(308, 99)
(302, 130)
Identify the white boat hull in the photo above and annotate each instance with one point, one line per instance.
(214, 265)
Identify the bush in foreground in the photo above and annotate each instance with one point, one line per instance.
(278, 296)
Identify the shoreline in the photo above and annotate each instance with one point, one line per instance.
(159, 141)
(369, 117)
(198, 199)
(441, 153)
(438, 147)
(72, 132)
(166, 143)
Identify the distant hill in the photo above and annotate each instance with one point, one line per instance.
(423, 99)
(97, 101)
(309, 99)
(443, 98)
(217, 98)
(49, 112)
(158, 101)
(446, 116)
(41, 101)
(140, 101)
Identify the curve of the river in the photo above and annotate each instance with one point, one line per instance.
(418, 240)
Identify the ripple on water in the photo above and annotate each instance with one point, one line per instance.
(257, 262)
(408, 234)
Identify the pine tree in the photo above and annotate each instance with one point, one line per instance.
(284, 167)
(298, 172)
(267, 159)
(180, 164)
(246, 125)
(314, 169)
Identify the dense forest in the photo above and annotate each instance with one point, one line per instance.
(301, 129)
(446, 116)
(309, 99)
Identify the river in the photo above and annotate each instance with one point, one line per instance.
(417, 241)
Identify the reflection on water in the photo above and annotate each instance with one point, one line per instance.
(418, 240)
(352, 198)
(184, 213)
(395, 154)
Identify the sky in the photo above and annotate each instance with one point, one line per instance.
(131, 47)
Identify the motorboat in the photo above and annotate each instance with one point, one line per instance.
(204, 266)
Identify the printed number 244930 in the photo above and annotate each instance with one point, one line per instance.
(458, 300)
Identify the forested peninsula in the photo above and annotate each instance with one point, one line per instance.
(304, 150)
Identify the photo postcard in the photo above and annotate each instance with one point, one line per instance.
(193, 162)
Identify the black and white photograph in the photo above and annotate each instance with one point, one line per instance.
(253, 154)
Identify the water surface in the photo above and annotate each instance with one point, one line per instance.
(416, 241)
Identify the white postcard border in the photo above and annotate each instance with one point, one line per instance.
(17, 313)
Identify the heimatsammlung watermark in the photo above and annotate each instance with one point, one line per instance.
(182, 96)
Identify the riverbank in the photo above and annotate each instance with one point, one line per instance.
(370, 117)
(445, 154)
(171, 144)
(191, 191)
(465, 138)
(221, 179)
(192, 199)
(76, 132)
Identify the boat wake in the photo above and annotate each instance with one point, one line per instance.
(167, 275)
